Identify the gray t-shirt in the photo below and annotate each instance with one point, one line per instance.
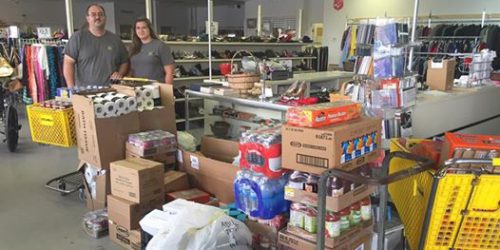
(150, 61)
(96, 57)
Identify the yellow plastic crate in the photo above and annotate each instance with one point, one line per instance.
(410, 195)
(52, 126)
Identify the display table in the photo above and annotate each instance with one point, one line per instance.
(315, 80)
(437, 112)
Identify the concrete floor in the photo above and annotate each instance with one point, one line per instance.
(31, 216)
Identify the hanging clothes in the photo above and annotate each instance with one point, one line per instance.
(42, 71)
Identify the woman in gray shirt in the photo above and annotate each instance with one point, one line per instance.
(149, 57)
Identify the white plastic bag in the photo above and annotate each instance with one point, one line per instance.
(193, 226)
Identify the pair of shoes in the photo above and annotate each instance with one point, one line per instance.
(295, 91)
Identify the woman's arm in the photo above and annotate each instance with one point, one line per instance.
(169, 73)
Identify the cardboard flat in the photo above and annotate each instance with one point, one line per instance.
(335, 204)
(162, 118)
(440, 75)
(211, 175)
(137, 179)
(128, 239)
(175, 181)
(101, 141)
(127, 213)
(314, 150)
(354, 239)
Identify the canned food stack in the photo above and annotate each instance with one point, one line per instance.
(303, 219)
(53, 104)
(112, 104)
(68, 92)
(316, 138)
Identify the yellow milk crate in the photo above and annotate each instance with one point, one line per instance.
(444, 210)
(52, 126)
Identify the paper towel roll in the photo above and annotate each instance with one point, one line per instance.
(120, 102)
(139, 92)
(140, 106)
(148, 104)
(102, 94)
(98, 99)
(148, 93)
(131, 103)
(110, 108)
(155, 90)
(99, 110)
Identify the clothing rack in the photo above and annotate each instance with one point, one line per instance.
(449, 37)
(45, 41)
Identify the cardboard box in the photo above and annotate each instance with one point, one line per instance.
(101, 141)
(332, 203)
(175, 181)
(165, 158)
(159, 117)
(137, 179)
(344, 146)
(470, 146)
(131, 148)
(102, 189)
(193, 194)
(128, 239)
(440, 75)
(211, 169)
(359, 238)
(127, 213)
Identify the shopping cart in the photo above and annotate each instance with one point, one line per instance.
(419, 165)
(455, 207)
(67, 184)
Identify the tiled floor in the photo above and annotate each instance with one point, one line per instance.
(31, 216)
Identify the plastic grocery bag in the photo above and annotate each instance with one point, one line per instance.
(186, 141)
(193, 226)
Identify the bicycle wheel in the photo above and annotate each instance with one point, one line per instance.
(11, 128)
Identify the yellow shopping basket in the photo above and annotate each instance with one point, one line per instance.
(453, 208)
(52, 126)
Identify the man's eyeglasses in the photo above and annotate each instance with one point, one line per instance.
(99, 14)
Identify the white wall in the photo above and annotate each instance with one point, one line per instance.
(335, 21)
(312, 11)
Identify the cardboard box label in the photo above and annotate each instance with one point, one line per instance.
(289, 191)
(195, 162)
(356, 147)
(179, 156)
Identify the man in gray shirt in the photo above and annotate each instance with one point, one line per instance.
(98, 54)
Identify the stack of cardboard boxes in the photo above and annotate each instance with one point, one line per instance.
(312, 150)
(103, 140)
(136, 189)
